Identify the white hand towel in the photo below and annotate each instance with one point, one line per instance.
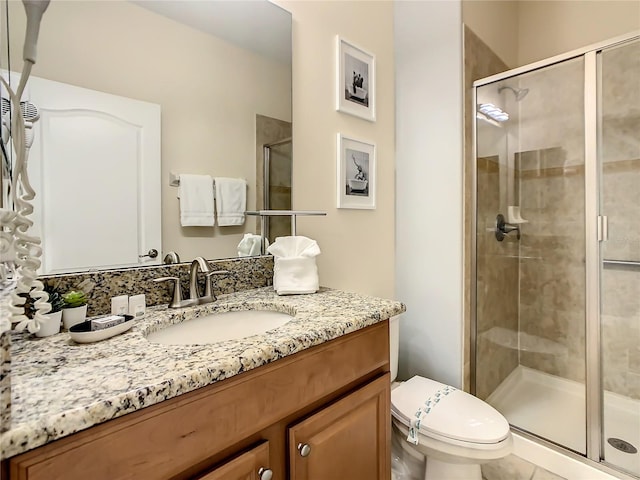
(295, 270)
(196, 201)
(231, 200)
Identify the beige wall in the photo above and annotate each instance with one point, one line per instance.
(548, 28)
(524, 31)
(207, 89)
(496, 23)
(357, 245)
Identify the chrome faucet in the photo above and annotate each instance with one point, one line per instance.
(198, 264)
(209, 296)
(171, 257)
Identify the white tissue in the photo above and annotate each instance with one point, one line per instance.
(250, 245)
(294, 246)
(295, 270)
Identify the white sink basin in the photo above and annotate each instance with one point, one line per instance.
(217, 327)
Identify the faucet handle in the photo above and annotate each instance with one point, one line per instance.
(207, 287)
(176, 301)
(218, 272)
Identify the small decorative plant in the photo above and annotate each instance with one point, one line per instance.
(75, 298)
(75, 308)
(56, 301)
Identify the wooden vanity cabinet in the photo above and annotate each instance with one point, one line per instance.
(346, 440)
(249, 465)
(334, 397)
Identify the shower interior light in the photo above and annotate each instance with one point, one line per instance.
(491, 111)
(490, 121)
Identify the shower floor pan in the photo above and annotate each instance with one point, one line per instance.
(554, 408)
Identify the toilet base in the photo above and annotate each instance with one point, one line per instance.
(438, 470)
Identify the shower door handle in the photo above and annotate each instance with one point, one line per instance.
(603, 228)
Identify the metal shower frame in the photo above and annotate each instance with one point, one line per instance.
(593, 232)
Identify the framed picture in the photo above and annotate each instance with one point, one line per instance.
(356, 183)
(356, 82)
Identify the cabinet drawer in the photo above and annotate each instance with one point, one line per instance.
(251, 465)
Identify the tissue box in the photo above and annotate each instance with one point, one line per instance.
(295, 275)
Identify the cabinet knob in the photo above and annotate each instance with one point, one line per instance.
(265, 473)
(304, 449)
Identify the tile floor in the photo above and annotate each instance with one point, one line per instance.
(515, 468)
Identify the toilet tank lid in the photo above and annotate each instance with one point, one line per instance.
(447, 412)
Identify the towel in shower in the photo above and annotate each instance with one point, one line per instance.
(295, 270)
(196, 201)
(231, 200)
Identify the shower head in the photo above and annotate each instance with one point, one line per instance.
(520, 93)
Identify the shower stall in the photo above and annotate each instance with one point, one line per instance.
(556, 291)
(277, 171)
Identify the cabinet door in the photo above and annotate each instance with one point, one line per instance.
(251, 465)
(349, 439)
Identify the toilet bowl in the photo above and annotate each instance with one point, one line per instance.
(455, 431)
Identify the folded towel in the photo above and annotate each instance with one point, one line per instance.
(294, 246)
(295, 270)
(250, 245)
(231, 200)
(196, 201)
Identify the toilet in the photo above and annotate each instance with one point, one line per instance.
(453, 431)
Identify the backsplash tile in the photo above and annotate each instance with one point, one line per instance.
(246, 273)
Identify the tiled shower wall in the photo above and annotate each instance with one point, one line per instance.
(479, 62)
(621, 203)
(548, 151)
(497, 284)
(552, 264)
(550, 180)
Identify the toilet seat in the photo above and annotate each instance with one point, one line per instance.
(447, 414)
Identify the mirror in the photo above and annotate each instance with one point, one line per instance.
(220, 74)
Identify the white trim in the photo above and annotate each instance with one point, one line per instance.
(592, 267)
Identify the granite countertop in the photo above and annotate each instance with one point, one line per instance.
(60, 387)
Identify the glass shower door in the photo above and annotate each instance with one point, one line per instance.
(531, 307)
(619, 157)
(277, 180)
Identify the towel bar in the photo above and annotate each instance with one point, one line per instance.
(630, 263)
(284, 213)
(174, 179)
